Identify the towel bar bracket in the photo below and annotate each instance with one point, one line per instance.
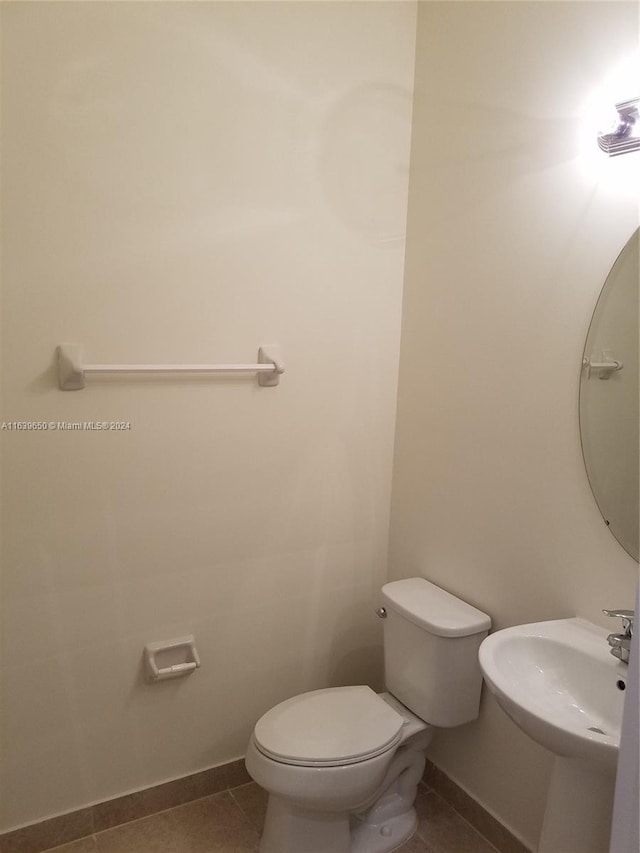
(603, 368)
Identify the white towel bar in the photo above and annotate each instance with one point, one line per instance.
(72, 370)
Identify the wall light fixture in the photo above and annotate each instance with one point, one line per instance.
(624, 136)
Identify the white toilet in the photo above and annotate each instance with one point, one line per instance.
(342, 765)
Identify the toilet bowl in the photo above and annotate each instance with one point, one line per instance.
(327, 758)
(341, 765)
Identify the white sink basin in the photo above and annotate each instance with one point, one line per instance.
(558, 681)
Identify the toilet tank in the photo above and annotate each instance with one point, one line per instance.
(431, 642)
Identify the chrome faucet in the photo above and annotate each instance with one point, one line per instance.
(621, 643)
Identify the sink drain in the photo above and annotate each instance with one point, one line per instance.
(595, 729)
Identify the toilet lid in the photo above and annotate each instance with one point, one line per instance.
(340, 725)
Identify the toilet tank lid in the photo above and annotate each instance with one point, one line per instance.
(434, 609)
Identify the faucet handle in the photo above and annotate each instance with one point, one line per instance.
(627, 617)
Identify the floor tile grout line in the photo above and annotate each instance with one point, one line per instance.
(75, 840)
(160, 812)
(462, 817)
(245, 814)
(94, 835)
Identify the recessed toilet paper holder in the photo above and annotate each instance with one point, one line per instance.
(171, 658)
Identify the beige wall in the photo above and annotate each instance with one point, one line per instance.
(511, 234)
(182, 183)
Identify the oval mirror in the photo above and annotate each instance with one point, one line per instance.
(609, 399)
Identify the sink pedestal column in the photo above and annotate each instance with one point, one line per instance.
(577, 818)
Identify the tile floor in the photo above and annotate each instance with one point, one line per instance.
(231, 822)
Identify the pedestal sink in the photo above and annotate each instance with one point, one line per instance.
(559, 683)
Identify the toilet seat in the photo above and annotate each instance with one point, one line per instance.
(328, 728)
